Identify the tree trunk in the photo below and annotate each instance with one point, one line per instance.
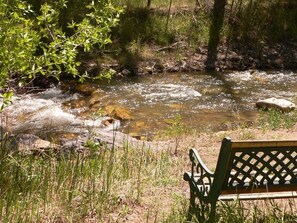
(168, 16)
(214, 33)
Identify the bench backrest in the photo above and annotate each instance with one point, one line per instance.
(256, 166)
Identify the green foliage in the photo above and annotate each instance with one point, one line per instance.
(274, 119)
(34, 43)
(18, 39)
(6, 100)
(177, 127)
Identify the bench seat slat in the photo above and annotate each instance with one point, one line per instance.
(259, 189)
(248, 188)
(263, 144)
(258, 196)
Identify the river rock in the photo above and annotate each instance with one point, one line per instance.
(278, 62)
(85, 88)
(275, 103)
(126, 72)
(27, 143)
(76, 103)
(176, 106)
(32, 122)
(96, 97)
(118, 112)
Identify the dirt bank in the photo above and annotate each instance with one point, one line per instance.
(181, 57)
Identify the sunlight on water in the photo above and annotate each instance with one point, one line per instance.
(202, 99)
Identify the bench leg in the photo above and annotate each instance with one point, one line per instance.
(198, 211)
(212, 214)
(202, 212)
(191, 206)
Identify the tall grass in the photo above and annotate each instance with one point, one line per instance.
(69, 187)
(111, 184)
(264, 211)
(108, 185)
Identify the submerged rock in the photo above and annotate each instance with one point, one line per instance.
(275, 103)
(118, 112)
(85, 89)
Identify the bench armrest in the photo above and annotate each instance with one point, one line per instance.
(200, 176)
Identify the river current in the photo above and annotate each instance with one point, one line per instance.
(212, 101)
(203, 101)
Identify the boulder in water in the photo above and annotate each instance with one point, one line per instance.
(276, 103)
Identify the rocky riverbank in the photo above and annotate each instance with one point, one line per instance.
(180, 57)
(40, 122)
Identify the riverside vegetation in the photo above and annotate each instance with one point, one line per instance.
(41, 43)
(131, 184)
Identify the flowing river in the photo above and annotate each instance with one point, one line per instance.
(213, 101)
(204, 101)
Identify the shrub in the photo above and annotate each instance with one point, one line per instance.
(33, 42)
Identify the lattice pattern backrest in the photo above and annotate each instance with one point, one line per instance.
(262, 167)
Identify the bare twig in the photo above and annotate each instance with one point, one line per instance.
(173, 46)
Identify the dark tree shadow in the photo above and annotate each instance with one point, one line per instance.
(137, 26)
(134, 28)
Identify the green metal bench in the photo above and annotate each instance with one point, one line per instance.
(245, 170)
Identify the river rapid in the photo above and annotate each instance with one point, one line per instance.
(204, 101)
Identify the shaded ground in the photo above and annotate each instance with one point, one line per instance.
(135, 48)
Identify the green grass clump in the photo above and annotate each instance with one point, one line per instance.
(273, 119)
(264, 211)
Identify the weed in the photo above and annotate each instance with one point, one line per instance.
(274, 119)
(139, 174)
(246, 134)
(176, 129)
(178, 211)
